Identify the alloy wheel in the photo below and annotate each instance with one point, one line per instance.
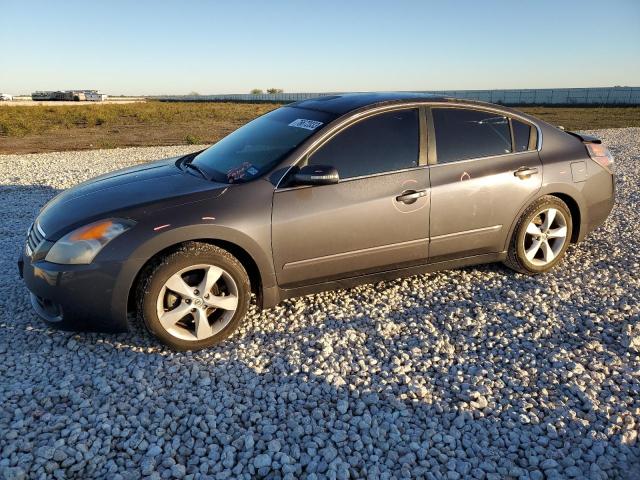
(197, 302)
(545, 236)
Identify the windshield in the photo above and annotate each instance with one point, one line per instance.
(255, 148)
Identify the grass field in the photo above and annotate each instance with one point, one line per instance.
(46, 128)
(30, 129)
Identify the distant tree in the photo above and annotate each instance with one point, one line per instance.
(274, 90)
(256, 91)
(194, 94)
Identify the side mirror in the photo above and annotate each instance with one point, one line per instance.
(316, 175)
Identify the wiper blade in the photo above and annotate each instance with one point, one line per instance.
(197, 169)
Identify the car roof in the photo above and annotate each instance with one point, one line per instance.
(342, 103)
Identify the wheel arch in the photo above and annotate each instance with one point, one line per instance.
(569, 197)
(576, 217)
(255, 260)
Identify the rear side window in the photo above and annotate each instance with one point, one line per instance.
(382, 143)
(521, 135)
(463, 134)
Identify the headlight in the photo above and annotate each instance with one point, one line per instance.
(83, 244)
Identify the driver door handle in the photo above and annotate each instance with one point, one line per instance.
(410, 196)
(525, 172)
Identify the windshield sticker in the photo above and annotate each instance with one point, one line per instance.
(306, 124)
(237, 173)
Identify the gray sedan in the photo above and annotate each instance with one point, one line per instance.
(323, 193)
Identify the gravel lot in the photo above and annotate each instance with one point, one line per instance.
(473, 373)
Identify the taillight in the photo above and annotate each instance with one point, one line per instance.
(601, 154)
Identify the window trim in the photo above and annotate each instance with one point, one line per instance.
(513, 136)
(533, 134)
(534, 138)
(334, 134)
(352, 120)
(353, 116)
(423, 156)
(379, 174)
(432, 144)
(433, 155)
(346, 180)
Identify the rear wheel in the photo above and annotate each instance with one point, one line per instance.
(194, 297)
(541, 237)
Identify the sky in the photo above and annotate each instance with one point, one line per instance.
(143, 47)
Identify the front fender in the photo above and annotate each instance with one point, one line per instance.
(162, 241)
(242, 217)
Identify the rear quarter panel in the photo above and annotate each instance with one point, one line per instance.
(568, 170)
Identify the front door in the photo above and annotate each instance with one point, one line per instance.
(376, 218)
(487, 169)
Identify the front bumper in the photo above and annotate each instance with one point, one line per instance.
(77, 297)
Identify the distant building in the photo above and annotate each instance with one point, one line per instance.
(68, 95)
(93, 96)
(5, 97)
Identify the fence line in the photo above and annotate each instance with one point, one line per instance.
(539, 96)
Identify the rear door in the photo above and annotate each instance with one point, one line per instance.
(377, 216)
(486, 168)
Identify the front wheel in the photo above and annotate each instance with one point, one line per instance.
(194, 297)
(541, 236)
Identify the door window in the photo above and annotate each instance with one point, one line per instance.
(463, 133)
(521, 135)
(382, 143)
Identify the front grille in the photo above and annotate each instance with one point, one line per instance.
(34, 238)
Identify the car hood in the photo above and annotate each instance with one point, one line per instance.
(132, 193)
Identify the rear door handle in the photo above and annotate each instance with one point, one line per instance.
(410, 196)
(525, 172)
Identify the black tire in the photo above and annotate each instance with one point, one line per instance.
(516, 258)
(155, 276)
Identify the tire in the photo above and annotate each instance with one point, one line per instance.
(180, 318)
(527, 252)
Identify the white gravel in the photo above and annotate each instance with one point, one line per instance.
(473, 373)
